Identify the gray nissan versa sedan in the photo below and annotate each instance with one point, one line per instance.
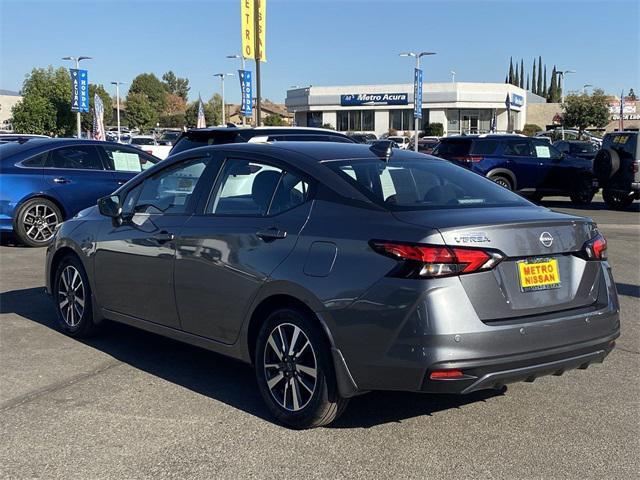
(336, 269)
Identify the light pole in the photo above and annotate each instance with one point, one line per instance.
(562, 73)
(222, 75)
(117, 84)
(585, 86)
(78, 114)
(244, 120)
(453, 76)
(417, 56)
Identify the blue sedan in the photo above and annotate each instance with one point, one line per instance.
(46, 181)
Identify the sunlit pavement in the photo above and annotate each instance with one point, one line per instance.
(129, 404)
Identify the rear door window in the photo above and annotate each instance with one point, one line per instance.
(519, 148)
(36, 162)
(81, 157)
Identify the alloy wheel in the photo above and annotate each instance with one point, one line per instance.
(290, 367)
(503, 183)
(40, 222)
(71, 296)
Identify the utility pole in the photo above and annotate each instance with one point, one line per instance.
(453, 76)
(258, 52)
(222, 75)
(417, 56)
(562, 73)
(117, 84)
(78, 114)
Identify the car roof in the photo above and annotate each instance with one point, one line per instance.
(318, 151)
(45, 143)
(495, 136)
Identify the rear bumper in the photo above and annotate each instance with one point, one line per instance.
(395, 336)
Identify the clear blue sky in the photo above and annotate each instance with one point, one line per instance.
(324, 42)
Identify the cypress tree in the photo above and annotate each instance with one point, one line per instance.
(521, 73)
(534, 79)
(553, 89)
(527, 81)
(516, 79)
(511, 70)
(544, 88)
(506, 79)
(539, 87)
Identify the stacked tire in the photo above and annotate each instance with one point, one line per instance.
(606, 165)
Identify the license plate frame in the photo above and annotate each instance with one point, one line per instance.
(538, 274)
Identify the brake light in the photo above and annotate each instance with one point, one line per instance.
(468, 158)
(634, 167)
(445, 374)
(427, 261)
(596, 248)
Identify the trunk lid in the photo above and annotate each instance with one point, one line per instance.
(533, 237)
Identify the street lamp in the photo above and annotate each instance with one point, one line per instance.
(222, 75)
(244, 120)
(77, 60)
(417, 56)
(584, 87)
(562, 73)
(117, 84)
(453, 76)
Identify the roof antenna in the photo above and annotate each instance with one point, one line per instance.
(383, 149)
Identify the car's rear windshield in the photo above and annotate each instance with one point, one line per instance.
(192, 140)
(142, 141)
(418, 184)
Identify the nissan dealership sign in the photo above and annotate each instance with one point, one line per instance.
(355, 99)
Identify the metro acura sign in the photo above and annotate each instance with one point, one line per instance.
(354, 99)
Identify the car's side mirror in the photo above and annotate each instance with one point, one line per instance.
(110, 206)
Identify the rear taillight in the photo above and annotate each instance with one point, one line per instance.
(468, 158)
(446, 374)
(596, 248)
(634, 167)
(428, 261)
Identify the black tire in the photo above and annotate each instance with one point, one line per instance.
(605, 165)
(534, 197)
(616, 200)
(72, 298)
(282, 374)
(35, 222)
(583, 192)
(502, 181)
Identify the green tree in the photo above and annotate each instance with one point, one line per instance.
(434, 130)
(530, 129)
(273, 120)
(552, 95)
(140, 111)
(544, 88)
(539, 90)
(632, 95)
(527, 81)
(87, 118)
(174, 120)
(521, 73)
(176, 85)
(149, 85)
(583, 111)
(45, 91)
(511, 75)
(534, 79)
(516, 78)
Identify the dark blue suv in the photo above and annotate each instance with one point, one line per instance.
(530, 166)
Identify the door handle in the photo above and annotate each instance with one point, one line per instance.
(272, 233)
(163, 237)
(61, 180)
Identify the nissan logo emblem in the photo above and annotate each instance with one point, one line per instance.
(546, 239)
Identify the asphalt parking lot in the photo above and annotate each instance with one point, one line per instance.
(129, 404)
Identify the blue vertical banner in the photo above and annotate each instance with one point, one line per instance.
(79, 90)
(417, 93)
(246, 87)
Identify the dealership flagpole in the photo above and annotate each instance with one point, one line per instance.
(258, 57)
(621, 124)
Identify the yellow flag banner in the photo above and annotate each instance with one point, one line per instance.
(248, 28)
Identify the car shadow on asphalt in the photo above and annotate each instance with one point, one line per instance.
(224, 379)
(628, 289)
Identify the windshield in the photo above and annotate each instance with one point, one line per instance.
(423, 184)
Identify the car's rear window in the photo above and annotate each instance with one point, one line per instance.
(192, 140)
(582, 147)
(418, 184)
(453, 147)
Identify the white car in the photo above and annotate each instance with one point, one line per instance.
(403, 142)
(149, 144)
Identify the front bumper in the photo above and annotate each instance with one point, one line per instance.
(399, 332)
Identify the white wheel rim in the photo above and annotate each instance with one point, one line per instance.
(39, 222)
(290, 367)
(71, 296)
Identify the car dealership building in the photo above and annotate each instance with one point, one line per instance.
(459, 107)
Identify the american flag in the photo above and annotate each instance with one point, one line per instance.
(494, 122)
(98, 118)
(202, 122)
